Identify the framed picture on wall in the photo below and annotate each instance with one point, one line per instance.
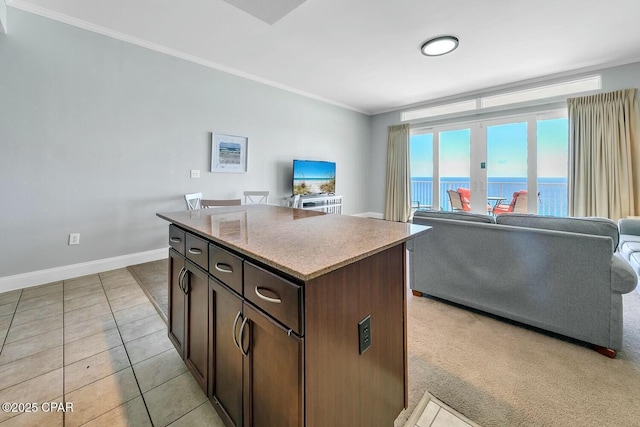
(228, 153)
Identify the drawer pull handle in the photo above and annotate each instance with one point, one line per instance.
(175, 240)
(195, 251)
(224, 268)
(266, 298)
(235, 326)
(244, 323)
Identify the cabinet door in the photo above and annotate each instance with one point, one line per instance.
(225, 378)
(273, 376)
(197, 326)
(177, 312)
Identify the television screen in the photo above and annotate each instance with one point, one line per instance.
(314, 177)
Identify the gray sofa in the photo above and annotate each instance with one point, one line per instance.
(562, 275)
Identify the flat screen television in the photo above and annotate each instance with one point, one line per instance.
(314, 177)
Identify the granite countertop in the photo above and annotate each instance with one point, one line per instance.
(301, 243)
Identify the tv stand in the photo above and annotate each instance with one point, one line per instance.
(323, 203)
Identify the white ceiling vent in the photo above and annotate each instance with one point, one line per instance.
(269, 11)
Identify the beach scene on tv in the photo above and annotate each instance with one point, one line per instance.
(313, 177)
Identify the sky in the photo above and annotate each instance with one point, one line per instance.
(506, 151)
(313, 169)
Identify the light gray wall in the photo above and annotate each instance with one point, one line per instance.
(614, 78)
(97, 135)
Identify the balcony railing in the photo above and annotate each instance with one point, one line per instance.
(552, 200)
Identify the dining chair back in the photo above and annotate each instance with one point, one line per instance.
(209, 203)
(193, 200)
(256, 197)
(295, 202)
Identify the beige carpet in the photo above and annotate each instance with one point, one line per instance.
(500, 374)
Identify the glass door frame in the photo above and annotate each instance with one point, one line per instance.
(435, 131)
(532, 156)
(478, 154)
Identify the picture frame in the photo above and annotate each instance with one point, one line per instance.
(228, 153)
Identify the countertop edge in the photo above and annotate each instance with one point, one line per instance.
(421, 229)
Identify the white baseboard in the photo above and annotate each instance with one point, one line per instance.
(375, 215)
(35, 278)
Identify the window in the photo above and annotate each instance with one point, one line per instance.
(543, 92)
(507, 161)
(494, 159)
(546, 92)
(421, 157)
(553, 165)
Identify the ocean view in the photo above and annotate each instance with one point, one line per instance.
(552, 200)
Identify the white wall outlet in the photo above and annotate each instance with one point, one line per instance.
(195, 173)
(74, 239)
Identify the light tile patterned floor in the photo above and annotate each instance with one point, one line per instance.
(431, 412)
(98, 343)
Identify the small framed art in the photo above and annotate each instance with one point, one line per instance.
(228, 153)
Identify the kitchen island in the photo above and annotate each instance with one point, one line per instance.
(288, 317)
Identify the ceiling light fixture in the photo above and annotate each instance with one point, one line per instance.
(439, 46)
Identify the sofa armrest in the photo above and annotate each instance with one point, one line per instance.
(623, 277)
(629, 226)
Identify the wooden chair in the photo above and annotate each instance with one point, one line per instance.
(211, 203)
(256, 197)
(518, 204)
(193, 200)
(465, 200)
(456, 200)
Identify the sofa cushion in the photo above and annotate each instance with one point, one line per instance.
(627, 248)
(585, 225)
(629, 226)
(460, 216)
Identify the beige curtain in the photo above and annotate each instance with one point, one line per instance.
(398, 194)
(604, 155)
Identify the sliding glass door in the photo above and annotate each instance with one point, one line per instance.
(506, 162)
(553, 165)
(454, 166)
(488, 161)
(421, 155)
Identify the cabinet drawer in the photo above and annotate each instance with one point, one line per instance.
(197, 251)
(176, 239)
(226, 267)
(278, 297)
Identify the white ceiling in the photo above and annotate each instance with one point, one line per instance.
(365, 54)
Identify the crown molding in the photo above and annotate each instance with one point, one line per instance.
(85, 25)
(3, 17)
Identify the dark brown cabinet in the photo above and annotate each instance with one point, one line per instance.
(273, 372)
(256, 375)
(177, 308)
(188, 315)
(196, 354)
(225, 378)
(271, 349)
